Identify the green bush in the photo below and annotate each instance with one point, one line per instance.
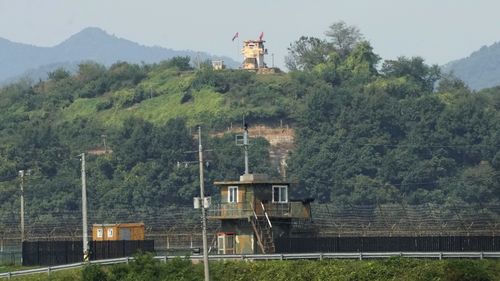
(466, 270)
(93, 273)
(107, 104)
(186, 97)
(119, 272)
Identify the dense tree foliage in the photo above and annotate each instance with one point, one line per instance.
(308, 52)
(366, 133)
(370, 137)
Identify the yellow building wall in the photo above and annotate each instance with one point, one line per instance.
(94, 234)
(137, 232)
(241, 194)
(224, 193)
(244, 244)
(113, 236)
(105, 233)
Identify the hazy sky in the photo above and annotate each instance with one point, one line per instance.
(438, 30)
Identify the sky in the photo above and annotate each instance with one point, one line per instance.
(437, 30)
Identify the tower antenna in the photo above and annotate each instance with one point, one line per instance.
(245, 145)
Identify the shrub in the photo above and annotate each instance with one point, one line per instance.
(107, 104)
(186, 97)
(119, 272)
(466, 270)
(93, 273)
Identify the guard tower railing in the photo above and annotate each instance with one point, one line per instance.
(292, 210)
(285, 210)
(230, 210)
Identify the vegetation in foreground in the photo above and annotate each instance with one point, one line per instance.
(145, 268)
(9, 267)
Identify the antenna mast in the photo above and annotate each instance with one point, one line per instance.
(245, 144)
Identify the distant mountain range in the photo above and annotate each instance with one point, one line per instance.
(479, 70)
(91, 44)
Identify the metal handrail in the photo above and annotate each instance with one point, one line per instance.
(265, 213)
(230, 209)
(314, 256)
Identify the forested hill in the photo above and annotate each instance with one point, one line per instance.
(364, 136)
(90, 44)
(479, 70)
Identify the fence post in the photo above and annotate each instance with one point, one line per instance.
(320, 256)
(360, 256)
(48, 270)
(165, 259)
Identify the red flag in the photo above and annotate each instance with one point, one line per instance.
(261, 35)
(236, 36)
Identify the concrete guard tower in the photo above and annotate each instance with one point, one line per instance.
(253, 53)
(254, 211)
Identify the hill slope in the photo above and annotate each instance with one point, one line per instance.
(480, 70)
(92, 44)
(363, 136)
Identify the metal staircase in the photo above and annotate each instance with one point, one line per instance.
(263, 230)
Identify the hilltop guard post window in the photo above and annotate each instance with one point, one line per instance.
(232, 194)
(280, 194)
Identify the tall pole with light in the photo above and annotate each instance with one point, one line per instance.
(22, 174)
(85, 237)
(203, 210)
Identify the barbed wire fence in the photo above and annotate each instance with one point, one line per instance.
(407, 220)
(179, 229)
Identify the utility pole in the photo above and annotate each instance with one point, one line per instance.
(23, 173)
(84, 211)
(203, 215)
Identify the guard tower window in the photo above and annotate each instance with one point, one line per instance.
(280, 193)
(110, 232)
(100, 233)
(232, 194)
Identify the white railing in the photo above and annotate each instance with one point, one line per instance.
(265, 213)
(311, 256)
